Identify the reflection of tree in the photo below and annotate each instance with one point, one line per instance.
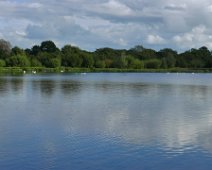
(47, 87)
(130, 87)
(4, 83)
(35, 85)
(69, 86)
(16, 84)
(197, 90)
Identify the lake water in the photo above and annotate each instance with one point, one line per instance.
(106, 121)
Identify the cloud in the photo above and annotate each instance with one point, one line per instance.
(114, 23)
(113, 7)
(155, 39)
(174, 7)
(197, 37)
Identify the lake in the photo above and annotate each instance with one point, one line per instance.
(106, 121)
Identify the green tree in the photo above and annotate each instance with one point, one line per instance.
(5, 49)
(108, 63)
(120, 61)
(153, 63)
(182, 61)
(147, 54)
(71, 56)
(205, 57)
(194, 58)
(111, 57)
(35, 63)
(35, 50)
(88, 60)
(134, 63)
(55, 62)
(100, 64)
(17, 51)
(167, 57)
(107, 53)
(18, 61)
(2, 63)
(49, 59)
(48, 46)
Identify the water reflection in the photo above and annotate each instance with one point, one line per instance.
(174, 117)
(13, 84)
(47, 87)
(16, 84)
(70, 87)
(4, 85)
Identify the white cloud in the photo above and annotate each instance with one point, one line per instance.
(196, 38)
(155, 39)
(176, 7)
(22, 34)
(114, 7)
(114, 23)
(34, 5)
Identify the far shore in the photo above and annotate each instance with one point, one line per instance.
(35, 70)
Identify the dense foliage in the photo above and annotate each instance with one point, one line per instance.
(47, 54)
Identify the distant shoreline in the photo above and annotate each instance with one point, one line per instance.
(34, 70)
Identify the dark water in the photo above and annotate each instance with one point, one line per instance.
(106, 121)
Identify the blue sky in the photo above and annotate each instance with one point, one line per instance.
(92, 24)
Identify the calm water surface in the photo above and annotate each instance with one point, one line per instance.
(106, 121)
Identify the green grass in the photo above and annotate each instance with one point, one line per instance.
(20, 70)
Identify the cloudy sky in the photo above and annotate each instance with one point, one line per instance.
(92, 24)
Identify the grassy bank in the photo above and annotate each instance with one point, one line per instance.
(21, 70)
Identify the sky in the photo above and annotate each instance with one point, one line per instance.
(120, 24)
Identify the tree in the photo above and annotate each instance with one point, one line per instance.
(2, 63)
(35, 63)
(100, 64)
(55, 62)
(88, 60)
(153, 63)
(168, 57)
(5, 49)
(107, 53)
(108, 63)
(48, 46)
(134, 63)
(28, 51)
(206, 56)
(195, 58)
(120, 61)
(35, 50)
(49, 59)
(18, 61)
(137, 48)
(17, 51)
(147, 54)
(71, 56)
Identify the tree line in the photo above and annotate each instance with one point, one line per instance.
(47, 54)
